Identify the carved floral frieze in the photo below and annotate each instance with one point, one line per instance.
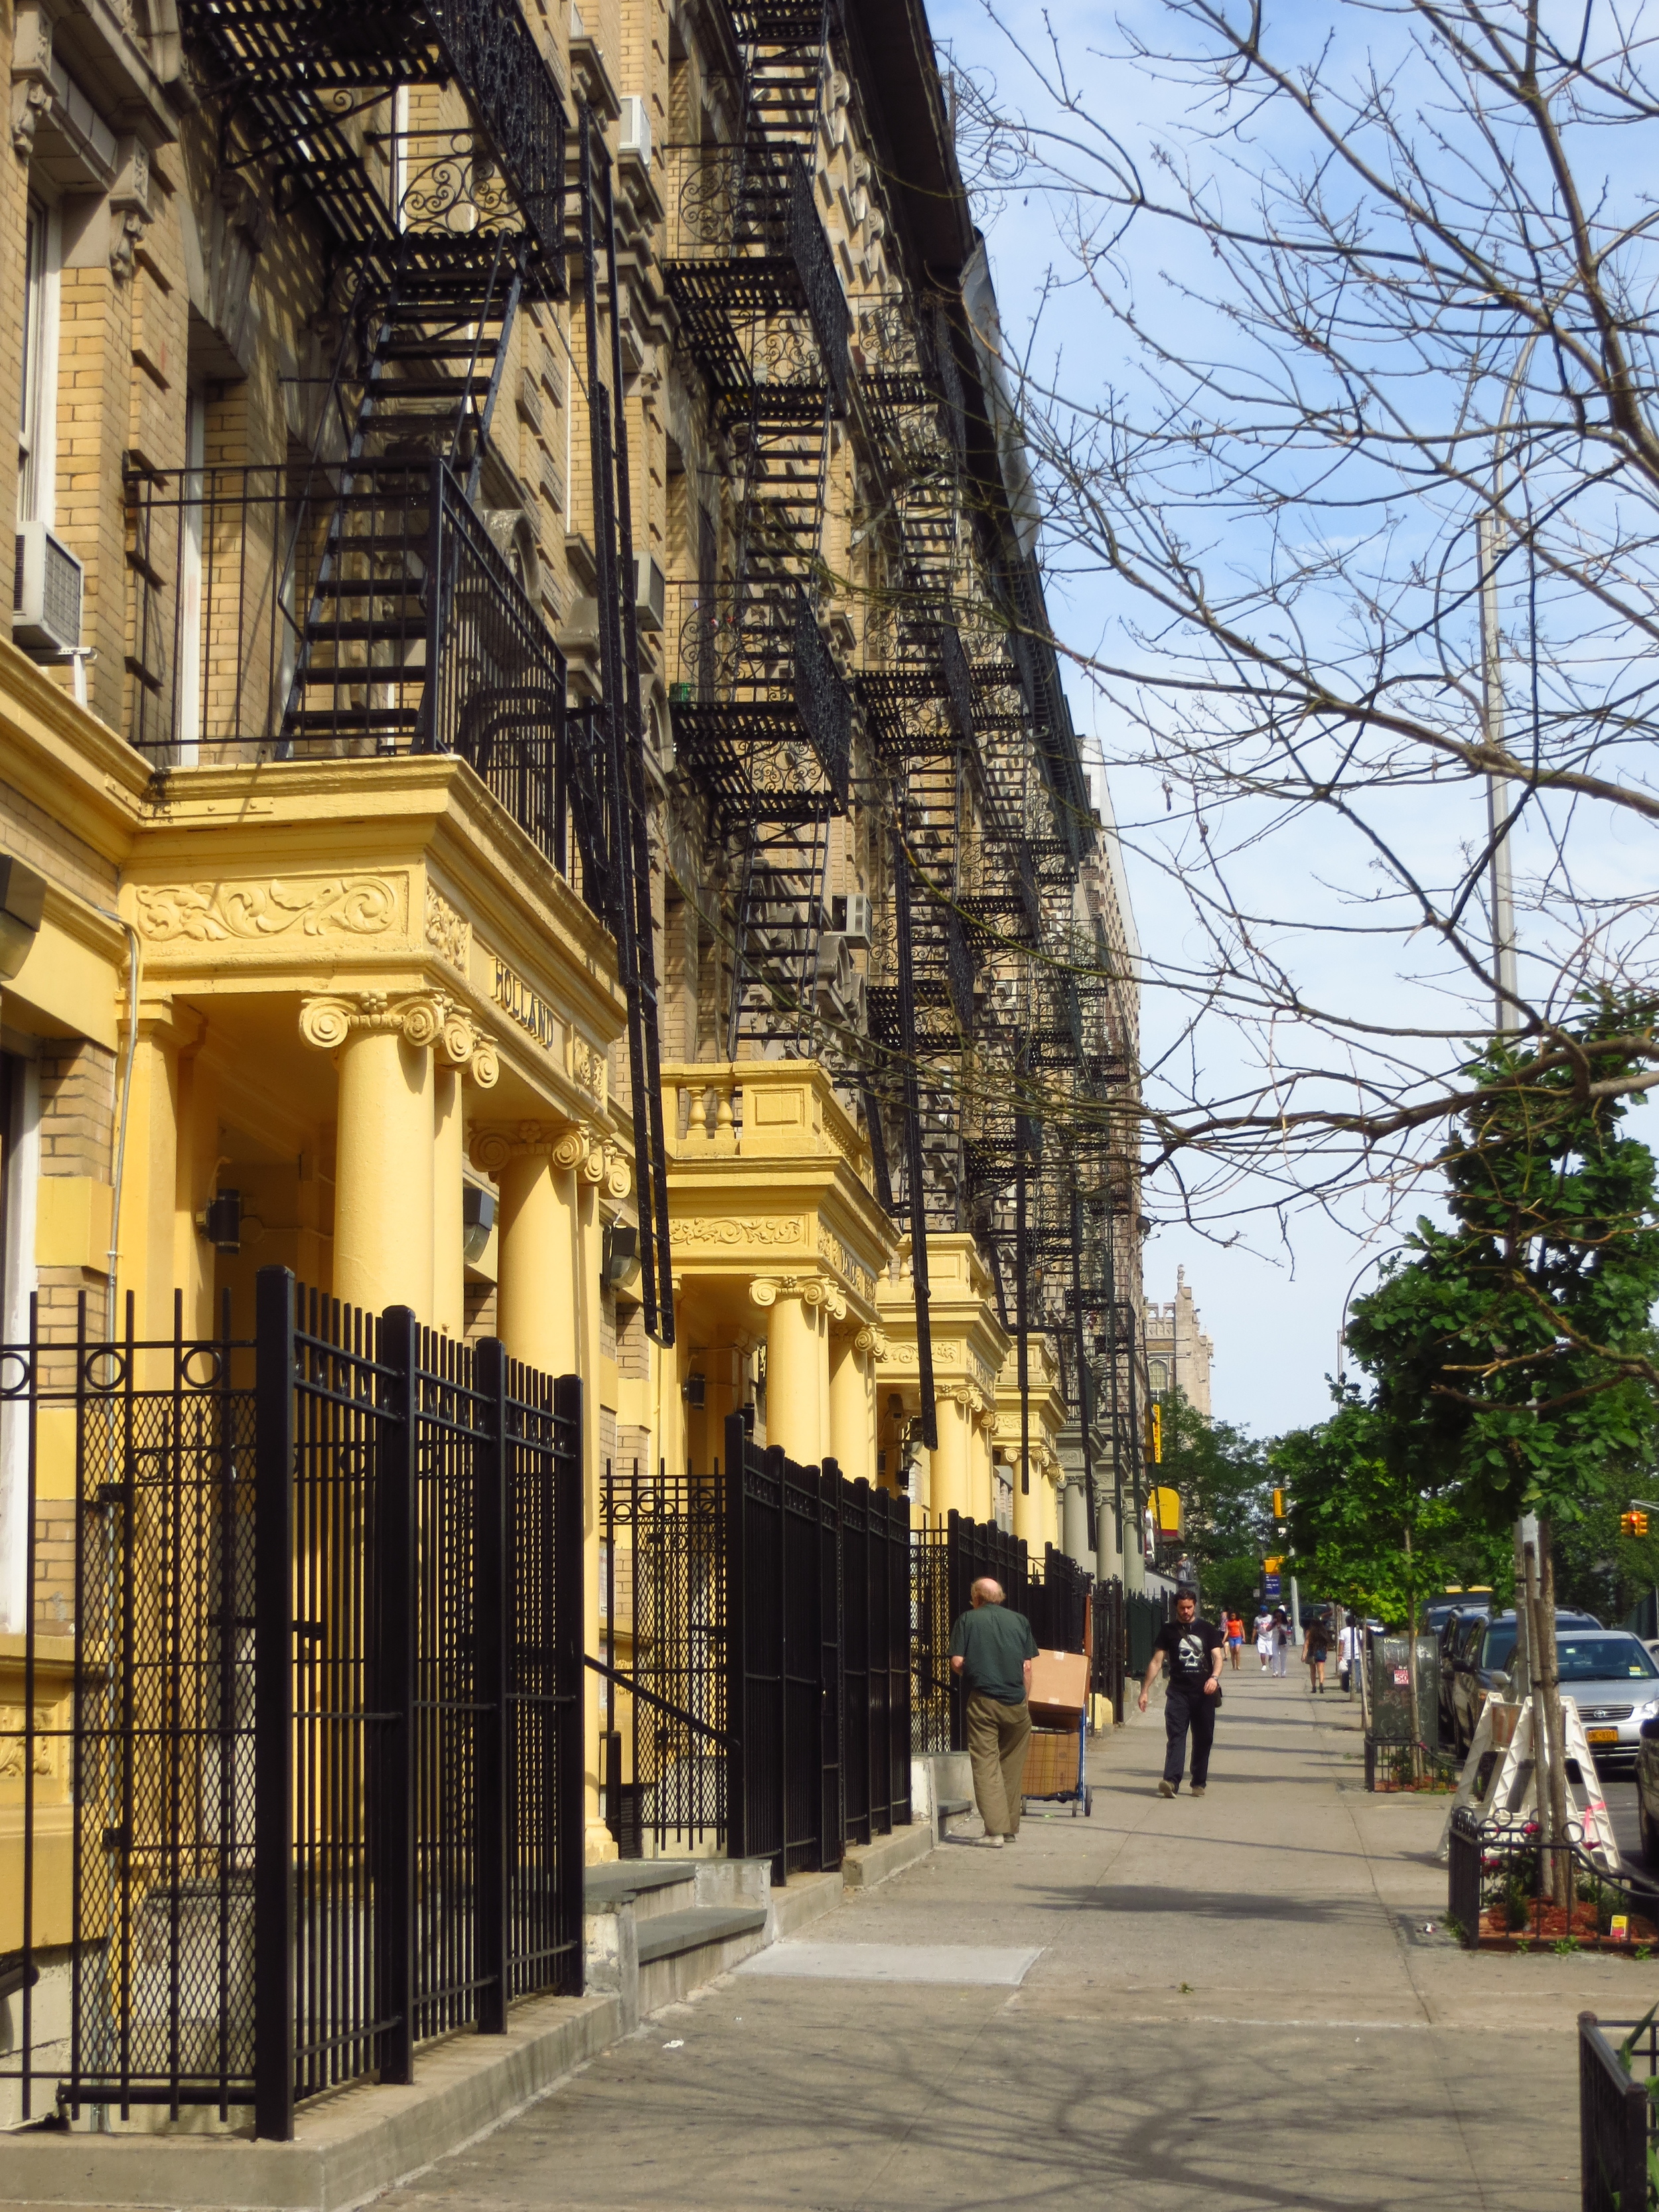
(784, 1230)
(326, 906)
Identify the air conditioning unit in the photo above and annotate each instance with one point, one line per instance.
(650, 593)
(855, 918)
(635, 130)
(45, 602)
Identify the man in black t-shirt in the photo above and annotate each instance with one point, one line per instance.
(1194, 1651)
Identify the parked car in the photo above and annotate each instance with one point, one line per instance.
(1459, 1630)
(1483, 1662)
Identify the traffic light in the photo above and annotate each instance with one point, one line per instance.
(1157, 1435)
(1278, 1505)
(1633, 1524)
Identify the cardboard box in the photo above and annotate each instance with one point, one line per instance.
(1060, 1687)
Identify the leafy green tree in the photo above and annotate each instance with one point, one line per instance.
(1512, 1352)
(1365, 1531)
(1221, 1474)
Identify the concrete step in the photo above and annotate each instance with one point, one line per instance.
(671, 1934)
(638, 1882)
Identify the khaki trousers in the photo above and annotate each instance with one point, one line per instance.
(997, 1736)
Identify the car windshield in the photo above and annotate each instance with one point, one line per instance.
(1603, 1659)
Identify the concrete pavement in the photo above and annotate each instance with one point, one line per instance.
(1235, 1996)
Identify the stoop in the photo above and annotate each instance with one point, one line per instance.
(655, 1930)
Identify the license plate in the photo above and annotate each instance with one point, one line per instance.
(1601, 1735)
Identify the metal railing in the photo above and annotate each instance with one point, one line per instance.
(750, 211)
(1506, 1885)
(324, 1738)
(447, 655)
(1617, 2117)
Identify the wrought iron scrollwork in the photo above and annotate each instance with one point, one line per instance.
(826, 303)
(452, 185)
(823, 700)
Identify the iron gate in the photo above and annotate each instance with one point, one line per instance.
(322, 1766)
(766, 1706)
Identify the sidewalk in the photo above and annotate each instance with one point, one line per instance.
(1234, 1996)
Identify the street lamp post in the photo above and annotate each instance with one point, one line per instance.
(1490, 534)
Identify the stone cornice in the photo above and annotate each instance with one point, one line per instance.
(73, 767)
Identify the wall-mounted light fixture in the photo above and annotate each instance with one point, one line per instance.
(622, 1254)
(220, 1221)
(478, 1220)
(694, 1391)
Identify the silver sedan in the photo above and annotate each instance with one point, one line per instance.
(1613, 1679)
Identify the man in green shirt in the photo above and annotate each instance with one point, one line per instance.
(993, 1649)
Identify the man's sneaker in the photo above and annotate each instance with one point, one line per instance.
(992, 1842)
(1166, 1790)
(1199, 1788)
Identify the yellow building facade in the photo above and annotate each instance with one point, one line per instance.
(305, 955)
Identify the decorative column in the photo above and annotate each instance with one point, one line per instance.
(852, 1399)
(382, 1171)
(952, 1487)
(1028, 1521)
(792, 1365)
(983, 1419)
(1074, 1519)
(536, 1317)
(463, 1053)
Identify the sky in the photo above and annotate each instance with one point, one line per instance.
(1271, 1300)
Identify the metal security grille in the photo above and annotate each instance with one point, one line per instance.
(767, 1705)
(665, 1538)
(321, 1780)
(160, 1751)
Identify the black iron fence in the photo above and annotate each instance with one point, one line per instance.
(1617, 2117)
(757, 1659)
(324, 1754)
(1111, 1652)
(1505, 1886)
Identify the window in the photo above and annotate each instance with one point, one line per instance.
(38, 411)
(189, 731)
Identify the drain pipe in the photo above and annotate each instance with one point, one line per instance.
(114, 1254)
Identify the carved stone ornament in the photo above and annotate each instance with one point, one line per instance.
(786, 1230)
(494, 1145)
(327, 1021)
(449, 932)
(32, 94)
(328, 905)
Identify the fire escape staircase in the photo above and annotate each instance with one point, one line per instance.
(417, 633)
(768, 730)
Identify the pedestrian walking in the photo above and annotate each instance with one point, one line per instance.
(1281, 1644)
(992, 1649)
(1194, 1650)
(1264, 1638)
(1235, 1640)
(1315, 1649)
(1347, 1653)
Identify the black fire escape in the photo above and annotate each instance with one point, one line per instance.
(411, 630)
(763, 721)
(918, 709)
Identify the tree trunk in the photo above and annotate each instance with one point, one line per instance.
(1547, 1694)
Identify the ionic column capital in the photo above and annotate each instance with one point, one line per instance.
(495, 1145)
(330, 1019)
